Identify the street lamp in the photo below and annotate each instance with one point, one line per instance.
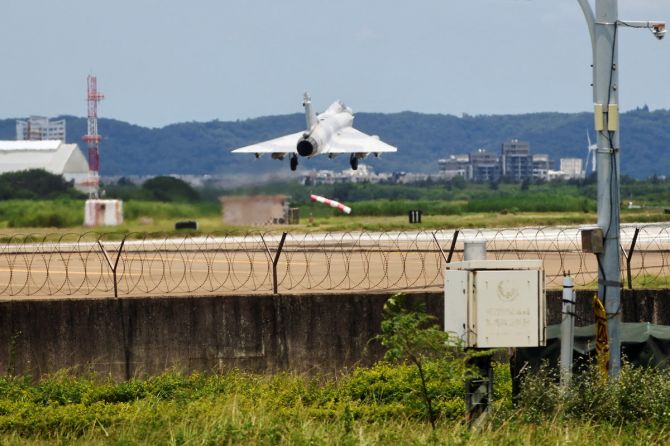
(603, 26)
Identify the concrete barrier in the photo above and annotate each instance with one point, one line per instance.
(132, 337)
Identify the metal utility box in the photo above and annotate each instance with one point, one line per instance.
(593, 239)
(496, 303)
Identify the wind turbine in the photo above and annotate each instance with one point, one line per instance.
(591, 153)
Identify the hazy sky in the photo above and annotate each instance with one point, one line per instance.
(160, 62)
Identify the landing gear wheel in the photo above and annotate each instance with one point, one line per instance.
(294, 162)
(354, 162)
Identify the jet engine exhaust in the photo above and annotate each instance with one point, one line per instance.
(306, 147)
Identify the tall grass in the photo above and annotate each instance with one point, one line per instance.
(41, 213)
(513, 203)
(70, 213)
(402, 207)
(134, 209)
(638, 395)
(532, 202)
(376, 405)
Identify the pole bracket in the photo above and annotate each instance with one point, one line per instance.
(610, 283)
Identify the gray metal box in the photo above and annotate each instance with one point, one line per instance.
(592, 239)
(496, 303)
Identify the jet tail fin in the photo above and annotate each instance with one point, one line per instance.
(310, 115)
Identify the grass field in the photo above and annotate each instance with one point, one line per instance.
(66, 216)
(368, 406)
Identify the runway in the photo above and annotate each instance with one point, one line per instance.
(307, 263)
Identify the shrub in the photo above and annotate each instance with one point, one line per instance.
(28, 213)
(170, 189)
(35, 184)
(640, 394)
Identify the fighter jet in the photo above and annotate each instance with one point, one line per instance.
(329, 133)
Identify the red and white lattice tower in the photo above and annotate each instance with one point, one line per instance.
(92, 138)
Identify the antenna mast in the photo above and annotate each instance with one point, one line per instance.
(92, 138)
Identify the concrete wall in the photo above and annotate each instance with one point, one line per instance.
(305, 333)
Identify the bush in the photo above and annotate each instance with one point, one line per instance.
(170, 189)
(397, 388)
(34, 213)
(35, 184)
(640, 394)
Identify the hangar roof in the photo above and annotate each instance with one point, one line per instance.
(52, 156)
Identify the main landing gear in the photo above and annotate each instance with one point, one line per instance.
(294, 161)
(353, 161)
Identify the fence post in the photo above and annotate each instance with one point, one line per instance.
(453, 245)
(439, 247)
(116, 262)
(447, 259)
(274, 259)
(629, 258)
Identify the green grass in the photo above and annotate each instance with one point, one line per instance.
(66, 216)
(41, 213)
(375, 207)
(650, 281)
(376, 405)
(139, 216)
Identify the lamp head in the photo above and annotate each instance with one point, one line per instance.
(659, 30)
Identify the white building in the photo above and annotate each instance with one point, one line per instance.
(39, 128)
(572, 167)
(53, 156)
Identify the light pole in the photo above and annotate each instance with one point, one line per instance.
(603, 27)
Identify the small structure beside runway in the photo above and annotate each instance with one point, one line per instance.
(98, 212)
(255, 209)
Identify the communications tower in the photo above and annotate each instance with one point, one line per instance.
(92, 138)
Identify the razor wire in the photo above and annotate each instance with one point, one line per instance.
(137, 264)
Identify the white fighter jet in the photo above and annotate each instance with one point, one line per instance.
(329, 133)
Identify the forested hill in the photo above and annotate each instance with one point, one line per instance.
(204, 147)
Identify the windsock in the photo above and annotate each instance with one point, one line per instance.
(331, 203)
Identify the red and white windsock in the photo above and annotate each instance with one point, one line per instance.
(331, 203)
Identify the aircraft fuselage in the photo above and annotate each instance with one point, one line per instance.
(328, 123)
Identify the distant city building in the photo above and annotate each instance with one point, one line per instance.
(572, 167)
(364, 174)
(410, 177)
(53, 156)
(556, 175)
(454, 166)
(516, 160)
(39, 128)
(484, 166)
(541, 166)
